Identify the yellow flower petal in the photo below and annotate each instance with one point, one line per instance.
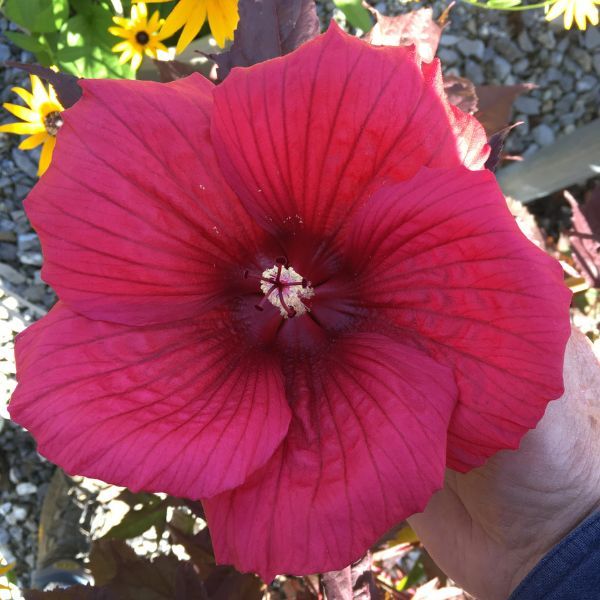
(46, 155)
(25, 114)
(192, 28)
(580, 15)
(26, 95)
(119, 32)
(154, 21)
(39, 91)
(122, 21)
(127, 54)
(223, 19)
(569, 15)
(180, 15)
(22, 128)
(136, 61)
(33, 141)
(121, 46)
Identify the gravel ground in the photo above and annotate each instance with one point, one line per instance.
(486, 46)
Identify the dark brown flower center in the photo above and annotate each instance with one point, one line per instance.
(142, 38)
(53, 122)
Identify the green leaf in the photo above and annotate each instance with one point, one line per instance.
(358, 16)
(415, 575)
(27, 42)
(503, 3)
(37, 16)
(136, 522)
(84, 46)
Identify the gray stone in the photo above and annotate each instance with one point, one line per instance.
(15, 516)
(475, 48)
(556, 58)
(31, 258)
(508, 49)
(28, 241)
(474, 72)
(24, 163)
(528, 105)
(5, 508)
(596, 61)
(16, 534)
(582, 58)
(26, 488)
(551, 75)
(546, 38)
(543, 135)
(10, 274)
(571, 66)
(567, 82)
(587, 83)
(448, 39)
(521, 66)
(448, 56)
(567, 119)
(592, 38)
(501, 68)
(14, 475)
(525, 42)
(4, 52)
(531, 150)
(563, 44)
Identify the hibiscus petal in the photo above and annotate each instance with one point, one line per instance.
(365, 449)
(301, 138)
(171, 408)
(137, 224)
(450, 268)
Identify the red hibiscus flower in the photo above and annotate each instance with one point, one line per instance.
(296, 296)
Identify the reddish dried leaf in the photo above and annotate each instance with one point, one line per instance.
(416, 27)
(495, 104)
(355, 582)
(461, 92)
(66, 86)
(585, 235)
(496, 143)
(267, 29)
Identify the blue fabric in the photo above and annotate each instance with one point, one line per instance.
(570, 571)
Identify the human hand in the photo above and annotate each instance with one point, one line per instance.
(487, 529)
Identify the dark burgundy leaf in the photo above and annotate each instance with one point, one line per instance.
(496, 143)
(495, 104)
(220, 582)
(585, 235)
(416, 27)
(188, 584)
(461, 92)
(66, 86)
(170, 70)
(267, 29)
(117, 567)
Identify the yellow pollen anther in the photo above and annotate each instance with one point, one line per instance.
(286, 290)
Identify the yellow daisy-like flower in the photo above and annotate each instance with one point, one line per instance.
(142, 36)
(579, 10)
(190, 14)
(41, 119)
